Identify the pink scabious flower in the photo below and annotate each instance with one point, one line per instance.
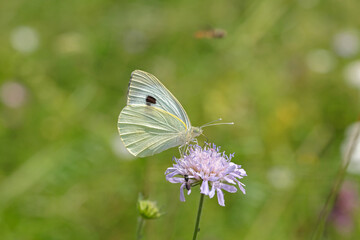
(208, 167)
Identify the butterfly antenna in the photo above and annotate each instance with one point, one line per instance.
(212, 123)
(220, 119)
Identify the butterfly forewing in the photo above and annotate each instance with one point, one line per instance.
(146, 90)
(147, 130)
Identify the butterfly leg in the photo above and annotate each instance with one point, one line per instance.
(182, 150)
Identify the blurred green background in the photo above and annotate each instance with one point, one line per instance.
(287, 74)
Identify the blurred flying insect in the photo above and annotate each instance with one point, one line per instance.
(210, 33)
(153, 119)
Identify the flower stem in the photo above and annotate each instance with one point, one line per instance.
(140, 227)
(197, 229)
(336, 187)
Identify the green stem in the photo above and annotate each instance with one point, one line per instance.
(140, 227)
(197, 229)
(336, 187)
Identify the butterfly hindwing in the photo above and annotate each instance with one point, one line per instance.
(147, 130)
(146, 90)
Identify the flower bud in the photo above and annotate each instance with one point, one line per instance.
(148, 209)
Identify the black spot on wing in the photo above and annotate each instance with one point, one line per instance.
(150, 100)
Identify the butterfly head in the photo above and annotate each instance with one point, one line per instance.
(196, 131)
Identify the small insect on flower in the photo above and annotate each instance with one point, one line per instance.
(187, 184)
(209, 168)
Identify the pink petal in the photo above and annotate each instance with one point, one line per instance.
(204, 188)
(212, 192)
(229, 188)
(182, 197)
(220, 197)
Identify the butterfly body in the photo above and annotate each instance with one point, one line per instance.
(153, 119)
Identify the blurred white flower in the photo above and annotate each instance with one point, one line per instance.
(352, 74)
(24, 39)
(346, 43)
(119, 148)
(281, 177)
(354, 166)
(13, 94)
(320, 61)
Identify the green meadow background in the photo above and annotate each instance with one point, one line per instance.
(286, 73)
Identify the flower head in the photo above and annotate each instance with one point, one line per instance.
(209, 168)
(148, 209)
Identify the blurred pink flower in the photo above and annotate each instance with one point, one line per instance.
(342, 213)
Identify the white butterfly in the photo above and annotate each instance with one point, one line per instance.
(153, 119)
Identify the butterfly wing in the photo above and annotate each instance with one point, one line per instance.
(147, 130)
(146, 90)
